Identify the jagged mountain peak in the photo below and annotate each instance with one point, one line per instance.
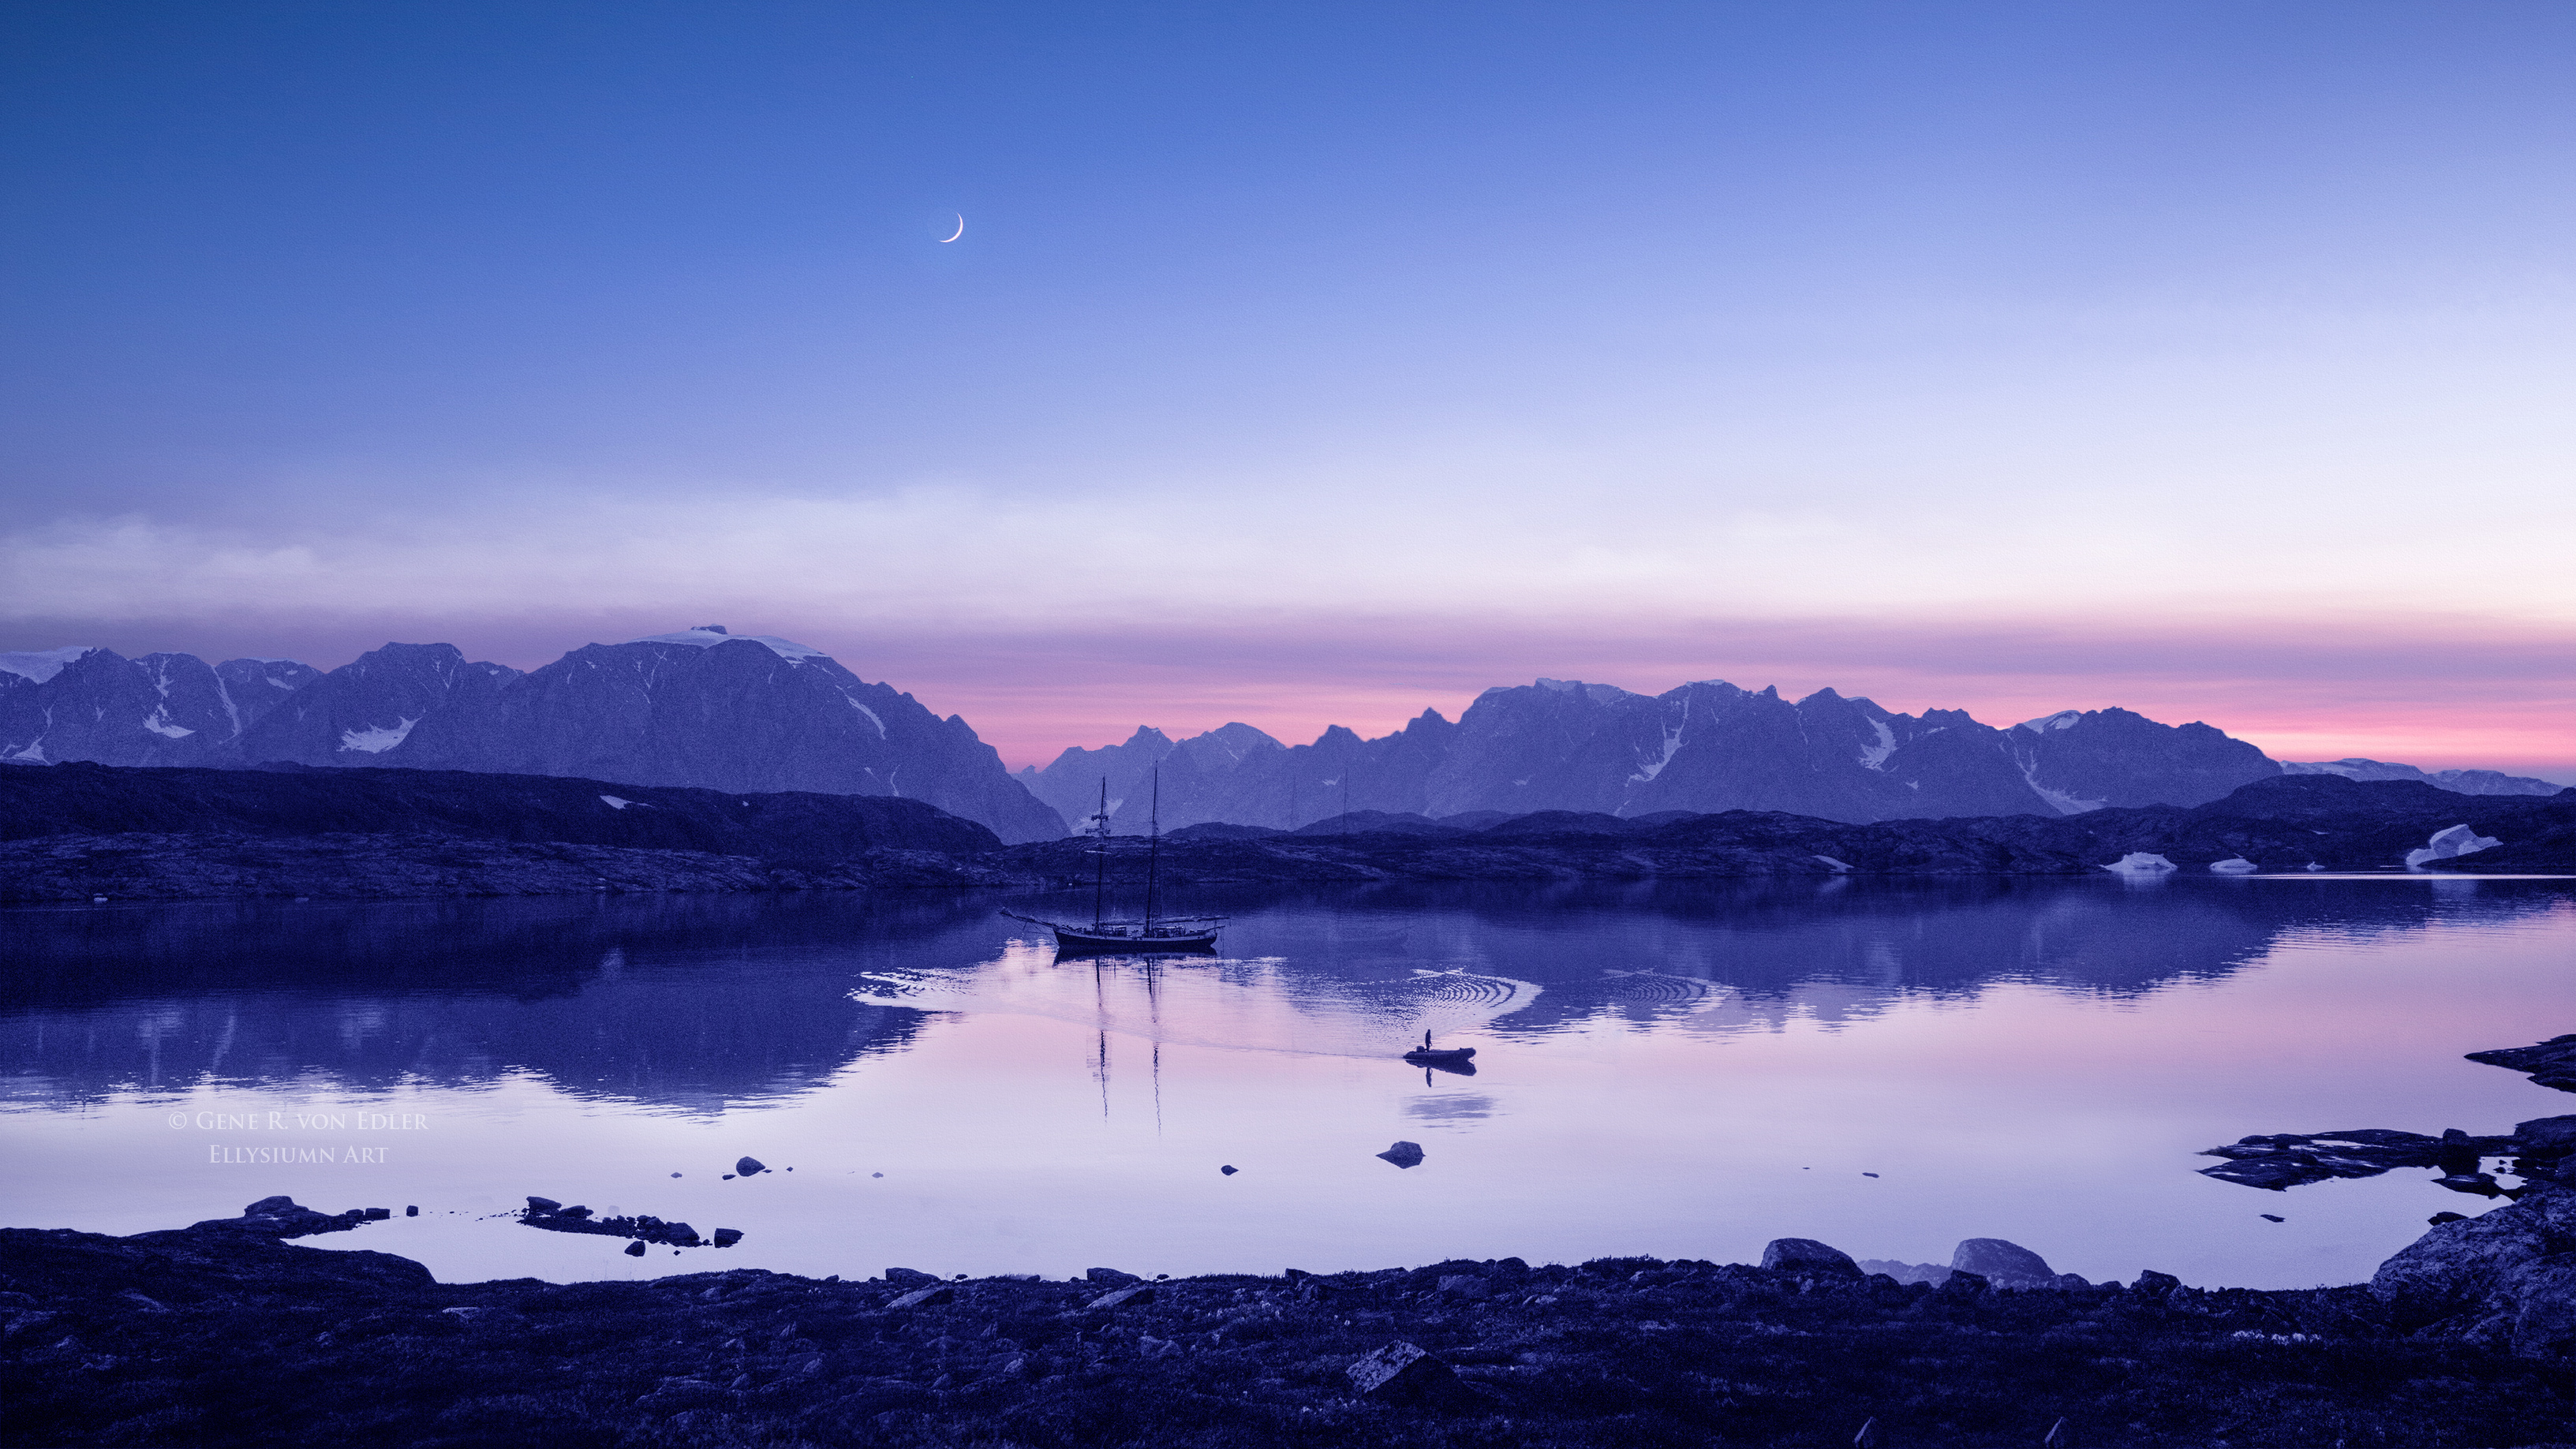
(40, 665)
(708, 636)
(1597, 693)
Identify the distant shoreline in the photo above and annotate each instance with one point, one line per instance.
(72, 833)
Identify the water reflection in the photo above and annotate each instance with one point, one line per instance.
(1685, 1070)
(695, 1003)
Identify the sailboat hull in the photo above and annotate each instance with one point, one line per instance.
(1068, 938)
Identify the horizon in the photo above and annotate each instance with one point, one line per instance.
(1316, 367)
(1028, 750)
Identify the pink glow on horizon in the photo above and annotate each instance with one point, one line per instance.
(2456, 693)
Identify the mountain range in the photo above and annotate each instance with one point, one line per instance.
(709, 709)
(1705, 747)
(699, 708)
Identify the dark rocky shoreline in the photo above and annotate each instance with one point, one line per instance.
(223, 1335)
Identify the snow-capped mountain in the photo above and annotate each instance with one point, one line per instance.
(79, 703)
(707, 708)
(1704, 747)
(697, 708)
(727, 712)
(2463, 782)
(359, 713)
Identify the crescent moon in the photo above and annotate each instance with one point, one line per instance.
(961, 230)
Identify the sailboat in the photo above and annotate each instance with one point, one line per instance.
(1149, 932)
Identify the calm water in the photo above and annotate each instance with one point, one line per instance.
(1679, 1071)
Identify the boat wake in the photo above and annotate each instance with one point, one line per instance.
(1236, 1004)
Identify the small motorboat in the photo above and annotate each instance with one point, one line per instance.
(1427, 1055)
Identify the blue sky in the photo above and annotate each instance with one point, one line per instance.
(1324, 362)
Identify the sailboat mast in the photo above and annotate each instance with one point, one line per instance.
(1100, 857)
(1153, 848)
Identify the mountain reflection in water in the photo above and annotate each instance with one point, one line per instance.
(1646, 1055)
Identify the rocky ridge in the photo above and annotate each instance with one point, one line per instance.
(70, 835)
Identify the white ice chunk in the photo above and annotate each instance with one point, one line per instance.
(376, 739)
(2138, 862)
(2446, 844)
(613, 803)
(787, 649)
(43, 664)
(1836, 864)
(2236, 866)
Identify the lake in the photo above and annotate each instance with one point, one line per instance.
(1681, 1070)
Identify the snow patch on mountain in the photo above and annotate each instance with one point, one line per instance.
(707, 636)
(376, 739)
(1647, 770)
(160, 724)
(871, 714)
(2058, 800)
(42, 664)
(1874, 757)
(2063, 719)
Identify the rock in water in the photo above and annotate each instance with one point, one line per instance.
(1999, 1261)
(1401, 1373)
(635, 1249)
(745, 1167)
(1404, 1154)
(2551, 1064)
(1806, 1255)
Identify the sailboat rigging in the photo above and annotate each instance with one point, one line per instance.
(1152, 931)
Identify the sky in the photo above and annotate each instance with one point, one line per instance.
(1325, 363)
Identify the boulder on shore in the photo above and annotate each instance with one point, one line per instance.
(1806, 1255)
(2003, 1262)
(2502, 1279)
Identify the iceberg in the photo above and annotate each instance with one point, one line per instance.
(2448, 844)
(2237, 865)
(2138, 862)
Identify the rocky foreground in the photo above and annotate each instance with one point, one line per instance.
(222, 1334)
